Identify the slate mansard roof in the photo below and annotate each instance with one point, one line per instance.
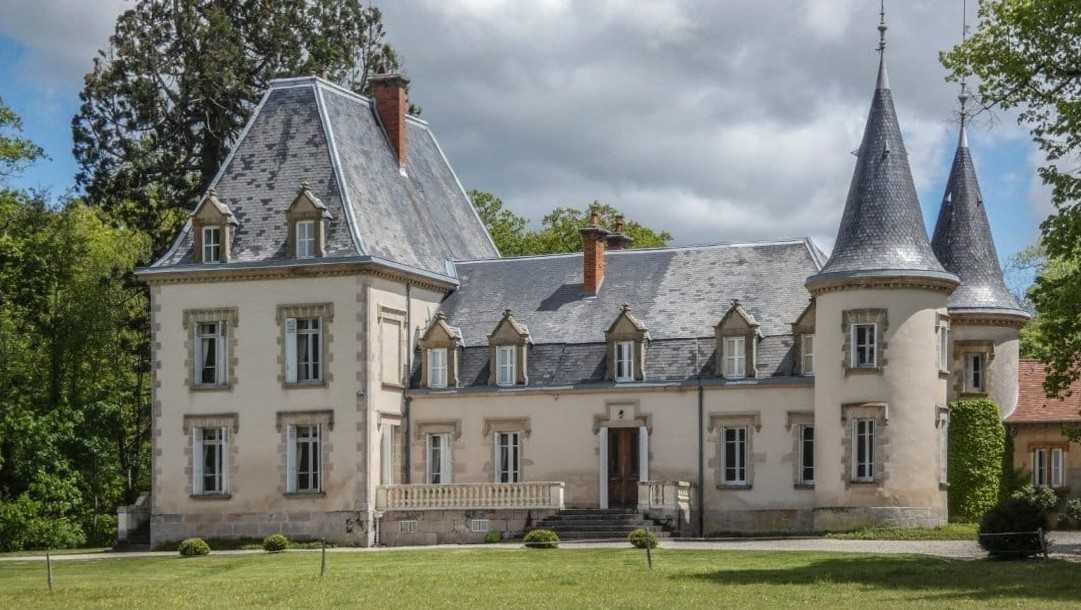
(307, 129)
(679, 294)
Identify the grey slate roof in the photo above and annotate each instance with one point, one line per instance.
(882, 230)
(309, 129)
(678, 293)
(964, 244)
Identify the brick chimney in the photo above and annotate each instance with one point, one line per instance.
(593, 238)
(617, 239)
(390, 103)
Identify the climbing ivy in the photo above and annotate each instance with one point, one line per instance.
(977, 446)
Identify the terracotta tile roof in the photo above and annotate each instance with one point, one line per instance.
(1033, 405)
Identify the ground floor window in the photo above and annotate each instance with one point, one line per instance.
(210, 460)
(734, 451)
(1048, 467)
(388, 450)
(305, 459)
(507, 457)
(807, 455)
(439, 469)
(864, 449)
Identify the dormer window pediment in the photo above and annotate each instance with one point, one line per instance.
(213, 226)
(627, 338)
(306, 217)
(737, 337)
(508, 352)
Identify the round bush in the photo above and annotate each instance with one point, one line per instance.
(541, 539)
(275, 543)
(1021, 514)
(977, 444)
(194, 547)
(641, 539)
(493, 536)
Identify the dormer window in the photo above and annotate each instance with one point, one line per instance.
(439, 347)
(735, 357)
(627, 338)
(505, 365)
(213, 226)
(507, 351)
(625, 361)
(211, 244)
(437, 367)
(307, 217)
(807, 354)
(737, 343)
(306, 239)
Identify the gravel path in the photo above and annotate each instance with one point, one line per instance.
(1065, 545)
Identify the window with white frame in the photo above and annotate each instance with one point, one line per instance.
(304, 458)
(734, 454)
(388, 448)
(975, 373)
(211, 353)
(506, 365)
(943, 330)
(305, 238)
(863, 342)
(1048, 467)
(212, 244)
(807, 455)
(735, 357)
(437, 367)
(863, 449)
(807, 354)
(304, 350)
(439, 465)
(210, 461)
(625, 361)
(507, 457)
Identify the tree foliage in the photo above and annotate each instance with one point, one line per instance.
(559, 228)
(164, 103)
(16, 152)
(1025, 55)
(977, 443)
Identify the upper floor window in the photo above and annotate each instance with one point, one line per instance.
(437, 367)
(304, 458)
(807, 455)
(625, 361)
(734, 454)
(306, 239)
(211, 353)
(863, 448)
(974, 372)
(506, 369)
(735, 357)
(943, 331)
(211, 457)
(807, 354)
(864, 346)
(212, 244)
(507, 457)
(304, 350)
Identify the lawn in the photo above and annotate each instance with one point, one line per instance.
(514, 578)
(951, 531)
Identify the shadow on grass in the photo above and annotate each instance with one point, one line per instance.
(923, 577)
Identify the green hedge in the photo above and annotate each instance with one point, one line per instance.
(977, 446)
(541, 539)
(193, 547)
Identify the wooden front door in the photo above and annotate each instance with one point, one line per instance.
(622, 467)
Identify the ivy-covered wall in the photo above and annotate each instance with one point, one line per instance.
(977, 447)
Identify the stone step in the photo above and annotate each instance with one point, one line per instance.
(585, 525)
(596, 517)
(602, 537)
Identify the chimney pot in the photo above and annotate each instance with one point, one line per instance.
(618, 240)
(390, 105)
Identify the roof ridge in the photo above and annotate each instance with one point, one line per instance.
(746, 244)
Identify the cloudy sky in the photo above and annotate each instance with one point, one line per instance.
(717, 120)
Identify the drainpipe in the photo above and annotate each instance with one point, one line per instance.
(407, 451)
(701, 457)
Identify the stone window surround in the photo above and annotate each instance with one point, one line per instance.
(320, 417)
(493, 425)
(880, 319)
(752, 421)
(440, 335)
(879, 412)
(194, 421)
(421, 430)
(737, 322)
(794, 422)
(316, 213)
(325, 313)
(191, 319)
(942, 321)
(212, 212)
(960, 350)
(396, 316)
(508, 332)
(627, 328)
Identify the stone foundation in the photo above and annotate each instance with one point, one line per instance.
(849, 518)
(766, 521)
(345, 528)
(453, 526)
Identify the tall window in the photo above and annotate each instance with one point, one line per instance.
(439, 459)
(625, 361)
(305, 459)
(974, 372)
(304, 351)
(864, 449)
(1048, 467)
(305, 238)
(943, 346)
(437, 367)
(211, 356)
(807, 455)
(863, 346)
(807, 354)
(735, 456)
(210, 460)
(735, 357)
(505, 365)
(507, 449)
(211, 244)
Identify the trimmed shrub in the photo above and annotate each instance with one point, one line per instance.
(275, 543)
(493, 536)
(641, 539)
(193, 547)
(541, 539)
(977, 446)
(1023, 512)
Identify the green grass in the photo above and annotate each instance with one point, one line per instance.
(516, 578)
(952, 531)
(243, 544)
(55, 552)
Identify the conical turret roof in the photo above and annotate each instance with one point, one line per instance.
(964, 245)
(882, 232)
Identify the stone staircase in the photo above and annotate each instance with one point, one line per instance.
(599, 524)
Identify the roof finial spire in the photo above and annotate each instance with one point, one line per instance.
(883, 77)
(962, 141)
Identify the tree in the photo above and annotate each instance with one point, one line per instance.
(1024, 54)
(559, 228)
(162, 106)
(16, 152)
